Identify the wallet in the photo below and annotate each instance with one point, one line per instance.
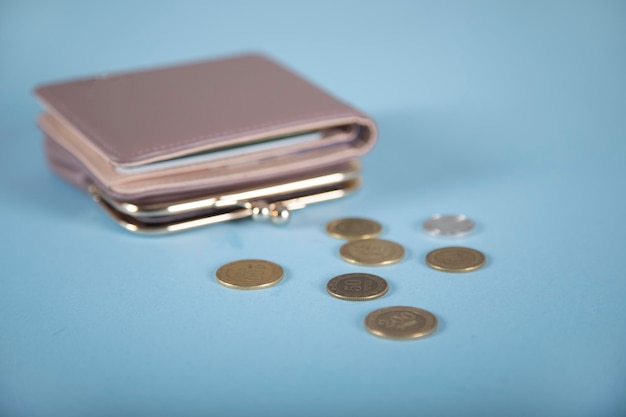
(172, 148)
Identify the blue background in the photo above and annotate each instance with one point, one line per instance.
(513, 113)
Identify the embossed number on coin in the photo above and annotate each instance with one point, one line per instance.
(357, 287)
(401, 322)
(455, 259)
(353, 228)
(249, 274)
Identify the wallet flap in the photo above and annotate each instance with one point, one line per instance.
(143, 117)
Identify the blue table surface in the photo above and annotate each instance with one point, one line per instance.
(513, 113)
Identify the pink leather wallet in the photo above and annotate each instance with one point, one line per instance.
(172, 148)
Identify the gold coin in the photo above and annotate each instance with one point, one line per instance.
(353, 228)
(455, 259)
(249, 274)
(401, 322)
(372, 252)
(357, 287)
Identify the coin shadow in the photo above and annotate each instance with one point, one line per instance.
(441, 326)
(392, 288)
(286, 276)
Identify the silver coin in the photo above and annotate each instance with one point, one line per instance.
(448, 225)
